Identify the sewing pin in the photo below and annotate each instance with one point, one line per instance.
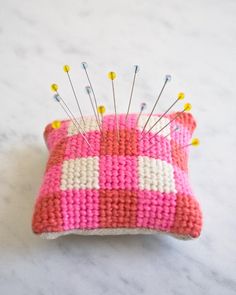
(180, 97)
(136, 70)
(66, 69)
(56, 124)
(187, 108)
(176, 128)
(101, 110)
(58, 98)
(143, 106)
(194, 142)
(85, 66)
(112, 76)
(88, 90)
(167, 79)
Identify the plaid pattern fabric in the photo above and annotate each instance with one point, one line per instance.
(125, 185)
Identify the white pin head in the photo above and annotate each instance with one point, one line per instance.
(84, 65)
(136, 69)
(168, 78)
(88, 89)
(143, 106)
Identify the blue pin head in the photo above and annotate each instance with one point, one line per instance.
(56, 97)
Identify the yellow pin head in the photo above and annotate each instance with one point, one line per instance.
(195, 142)
(181, 95)
(111, 75)
(187, 107)
(54, 87)
(66, 68)
(101, 110)
(56, 124)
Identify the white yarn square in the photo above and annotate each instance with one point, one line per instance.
(81, 173)
(156, 175)
(153, 119)
(90, 125)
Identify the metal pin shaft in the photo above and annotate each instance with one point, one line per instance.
(158, 98)
(132, 90)
(94, 111)
(72, 117)
(94, 96)
(76, 98)
(161, 116)
(114, 101)
(180, 113)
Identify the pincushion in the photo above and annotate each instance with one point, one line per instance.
(137, 185)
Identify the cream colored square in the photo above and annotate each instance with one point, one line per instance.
(153, 119)
(82, 173)
(156, 175)
(90, 125)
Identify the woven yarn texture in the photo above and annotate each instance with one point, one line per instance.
(125, 185)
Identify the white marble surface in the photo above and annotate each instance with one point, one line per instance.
(192, 40)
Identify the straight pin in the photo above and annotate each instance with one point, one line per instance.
(177, 128)
(101, 110)
(66, 109)
(167, 79)
(143, 106)
(112, 76)
(66, 69)
(71, 117)
(85, 66)
(180, 97)
(56, 124)
(88, 90)
(136, 70)
(187, 108)
(194, 142)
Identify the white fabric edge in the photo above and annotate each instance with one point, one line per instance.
(109, 231)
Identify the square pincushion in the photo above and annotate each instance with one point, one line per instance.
(139, 185)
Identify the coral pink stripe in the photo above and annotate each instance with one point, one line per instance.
(80, 209)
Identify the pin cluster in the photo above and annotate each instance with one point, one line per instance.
(99, 110)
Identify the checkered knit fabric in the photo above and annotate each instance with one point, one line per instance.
(120, 187)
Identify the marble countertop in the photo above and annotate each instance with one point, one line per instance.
(195, 42)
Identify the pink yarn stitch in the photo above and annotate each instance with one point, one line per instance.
(125, 185)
